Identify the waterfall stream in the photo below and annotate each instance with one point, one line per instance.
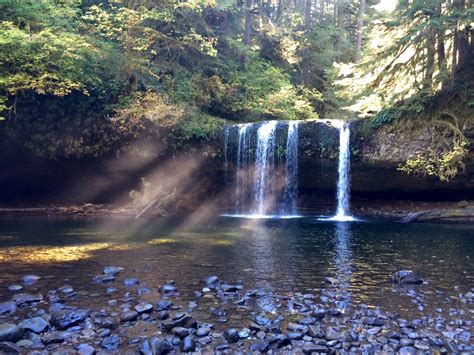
(264, 187)
(290, 196)
(343, 182)
(264, 159)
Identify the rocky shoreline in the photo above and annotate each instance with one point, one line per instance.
(224, 318)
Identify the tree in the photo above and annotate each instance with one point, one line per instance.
(360, 26)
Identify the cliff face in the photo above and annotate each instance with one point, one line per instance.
(197, 170)
(376, 155)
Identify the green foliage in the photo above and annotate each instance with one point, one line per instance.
(445, 164)
(198, 125)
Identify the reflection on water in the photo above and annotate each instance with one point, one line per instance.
(33, 255)
(343, 260)
(279, 256)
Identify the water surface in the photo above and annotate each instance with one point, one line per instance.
(282, 256)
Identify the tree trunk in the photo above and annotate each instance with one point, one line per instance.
(360, 26)
(441, 51)
(430, 61)
(248, 25)
(307, 16)
(463, 49)
(321, 12)
(454, 57)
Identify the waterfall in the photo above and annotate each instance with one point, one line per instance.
(264, 153)
(226, 148)
(343, 183)
(260, 191)
(243, 142)
(290, 196)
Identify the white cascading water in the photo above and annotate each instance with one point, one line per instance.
(290, 196)
(265, 151)
(243, 141)
(343, 183)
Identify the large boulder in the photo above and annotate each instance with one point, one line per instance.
(406, 277)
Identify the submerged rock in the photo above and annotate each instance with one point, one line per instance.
(103, 279)
(188, 344)
(15, 288)
(144, 307)
(113, 270)
(111, 342)
(30, 279)
(7, 308)
(10, 332)
(67, 318)
(22, 298)
(406, 277)
(231, 335)
(37, 324)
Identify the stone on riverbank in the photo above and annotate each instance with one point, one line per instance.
(405, 277)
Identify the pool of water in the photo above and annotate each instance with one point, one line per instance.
(281, 256)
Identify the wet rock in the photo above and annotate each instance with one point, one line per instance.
(143, 307)
(130, 282)
(406, 277)
(66, 289)
(111, 342)
(104, 333)
(407, 350)
(163, 305)
(262, 320)
(231, 335)
(203, 331)
(85, 349)
(143, 291)
(180, 332)
(332, 334)
(212, 281)
(9, 348)
(128, 316)
(113, 270)
(103, 279)
(54, 338)
(10, 332)
(109, 323)
(406, 342)
(184, 321)
(222, 347)
(259, 346)
(244, 333)
(188, 344)
(159, 346)
(24, 298)
(373, 331)
(168, 290)
(65, 318)
(36, 324)
(30, 279)
(15, 288)
(314, 331)
(314, 348)
(280, 340)
(373, 321)
(163, 315)
(331, 280)
(295, 335)
(230, 288)
(307, 321)
(7, 308)
(423, 346)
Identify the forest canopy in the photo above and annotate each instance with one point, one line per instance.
(76, 75)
